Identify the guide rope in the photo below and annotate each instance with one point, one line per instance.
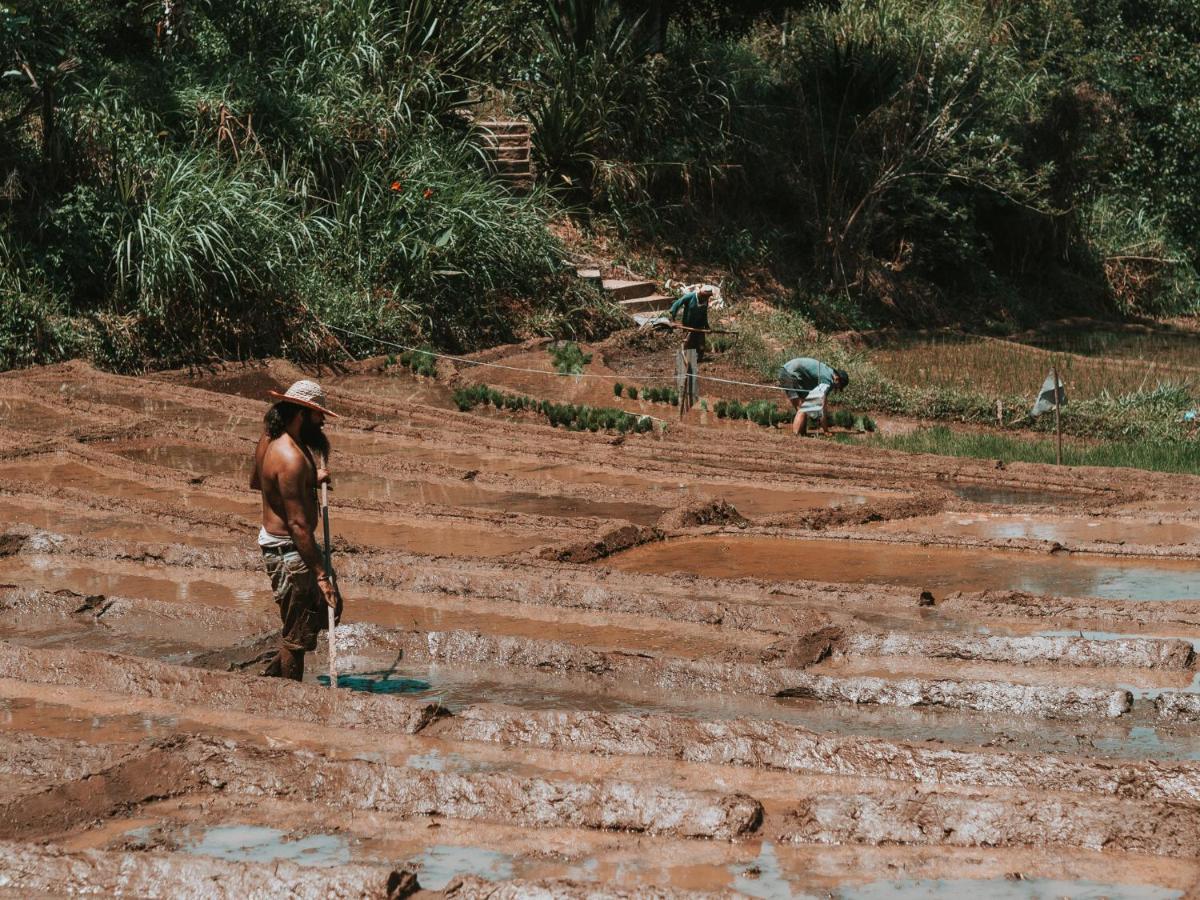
(475, 362)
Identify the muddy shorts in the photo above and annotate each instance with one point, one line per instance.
(791, 385)
(302, 607)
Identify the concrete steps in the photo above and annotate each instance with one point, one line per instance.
(628, 290)
(652, 303)
(508, 145)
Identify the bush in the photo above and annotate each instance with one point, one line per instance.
(569, 358)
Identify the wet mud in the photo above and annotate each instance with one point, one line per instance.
(632, 668)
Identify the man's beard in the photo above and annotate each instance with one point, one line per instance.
(313, 437)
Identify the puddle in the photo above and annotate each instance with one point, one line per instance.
(27, 415)
(456, 688)
(351, 485)
(1044, 528)
(395, 387)
(62, 521)
(70, 474)
(115, 579)
(1000, 889)
(982, 493)
(939, 569)
(254, 843)
(441, 862)
(764, 877)
(214, 418)
(377, 683)
(53, 720)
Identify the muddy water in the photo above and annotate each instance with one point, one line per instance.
(103, 526)
(395, 387)
(456, 688)
(61, 472)
(120, 579)
(1007, 496)
(255, 843)
(351, 485)
(20, 714)
(939, 569)
(1046, 528)
(1005, 888)
(198, 415)
(28, 415)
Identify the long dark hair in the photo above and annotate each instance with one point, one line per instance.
(281, 414)
(278, 416)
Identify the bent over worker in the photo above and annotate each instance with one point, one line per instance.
(694, 305)
(288, 475)
(801, 376)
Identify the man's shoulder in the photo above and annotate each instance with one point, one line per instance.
(283, 455)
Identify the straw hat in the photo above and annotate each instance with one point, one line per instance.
(305, 393)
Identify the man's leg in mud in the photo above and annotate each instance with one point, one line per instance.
(800, 422)
(291, 664)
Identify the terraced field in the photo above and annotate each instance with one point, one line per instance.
(713, 660)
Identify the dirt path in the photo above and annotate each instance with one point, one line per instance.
(713, 660)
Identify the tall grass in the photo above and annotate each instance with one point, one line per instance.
(1153, 454)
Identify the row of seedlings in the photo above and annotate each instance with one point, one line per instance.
(653, 394)
(572, 416)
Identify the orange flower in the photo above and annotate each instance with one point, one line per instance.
(428, 193)
(397, 186)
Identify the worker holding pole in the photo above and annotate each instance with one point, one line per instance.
(694, 305)
(287, 474)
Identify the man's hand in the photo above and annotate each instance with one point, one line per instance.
(323, 477)
(329, 592)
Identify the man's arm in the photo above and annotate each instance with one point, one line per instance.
(259, 452)
(677, 305)
(294, 487)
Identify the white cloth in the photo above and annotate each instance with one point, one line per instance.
(815, 401)
(269, 541)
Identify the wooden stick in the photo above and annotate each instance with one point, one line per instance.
(681, 327)
(1057, 423)
(333, 681)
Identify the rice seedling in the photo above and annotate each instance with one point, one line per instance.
(574, 417)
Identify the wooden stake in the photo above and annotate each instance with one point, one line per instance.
(1000, 412)
(1057, 422)
(333, 678)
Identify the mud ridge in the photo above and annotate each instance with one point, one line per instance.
(767, 744)
(672, 673)
(916, 818)
(53, 871)
(1145, 653)
(487, 796)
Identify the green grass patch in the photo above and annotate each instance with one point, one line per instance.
(1155, 455)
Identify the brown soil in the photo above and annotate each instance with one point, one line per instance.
(715, 660)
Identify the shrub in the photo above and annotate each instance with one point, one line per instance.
(569, 358)
(618, 388)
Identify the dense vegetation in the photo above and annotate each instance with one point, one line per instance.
(196, 178)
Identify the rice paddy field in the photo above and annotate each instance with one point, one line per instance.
(1091, 363)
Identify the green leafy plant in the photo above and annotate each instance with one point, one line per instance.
(569, 358)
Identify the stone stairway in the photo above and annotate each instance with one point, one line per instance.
(641, 299)
(509, 148)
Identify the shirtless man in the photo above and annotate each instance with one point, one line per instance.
(287, 475)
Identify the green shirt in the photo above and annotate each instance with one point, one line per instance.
(808, 373)
(695, 313)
